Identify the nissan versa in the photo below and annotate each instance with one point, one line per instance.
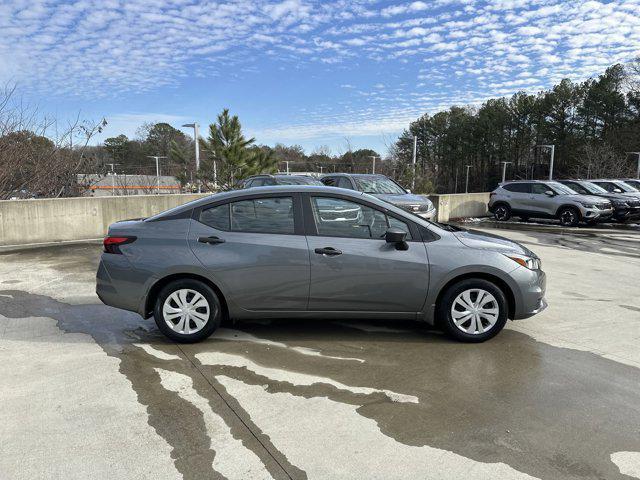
(313, 251)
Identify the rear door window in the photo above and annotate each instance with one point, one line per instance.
(518, 187)
(259, 215)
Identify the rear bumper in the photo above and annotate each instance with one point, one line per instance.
(113, 285)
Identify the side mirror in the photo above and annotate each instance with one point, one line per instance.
(397, 237)
(549, 193)
(617, 190)
(408, 190)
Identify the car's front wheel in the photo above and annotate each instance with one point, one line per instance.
(472, 310)
(187, 311)
(569, 216)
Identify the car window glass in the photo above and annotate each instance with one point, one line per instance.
(539, 188)
(378, 185)
(517, 187)
(577, 187)
(336, 217)
(344, 182)
(263, 215)
(608, 186)
(216, 217)
(330, 181)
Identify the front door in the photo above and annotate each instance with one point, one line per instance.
(353, 268)
(255, 248)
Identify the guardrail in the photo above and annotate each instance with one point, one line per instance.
(24, 222)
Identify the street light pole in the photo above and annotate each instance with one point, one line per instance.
(415, 150)
(157, 159)
(466, 184)
(197, 142)
(504, 170)
(553, 150)
(373, 163)
(638, 170)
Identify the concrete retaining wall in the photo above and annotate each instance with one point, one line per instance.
(25, 222)
(460, 205)
(68, 219)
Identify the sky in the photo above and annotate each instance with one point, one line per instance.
(337, 74)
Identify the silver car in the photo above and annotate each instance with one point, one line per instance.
(382, 187)
(547, 199)
(313, 251)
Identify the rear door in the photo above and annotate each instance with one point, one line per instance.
(352, 266)
(518, 196)
(256, 248)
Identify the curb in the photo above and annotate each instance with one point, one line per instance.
(33, 246)
(546, 228)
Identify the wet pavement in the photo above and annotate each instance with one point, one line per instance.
(92, 391)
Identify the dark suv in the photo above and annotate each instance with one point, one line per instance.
(266, 180)
(625, 207)
(385, 189)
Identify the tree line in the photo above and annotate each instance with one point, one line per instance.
(593, 126)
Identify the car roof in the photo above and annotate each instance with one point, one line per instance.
(379, 175)
(250, 192)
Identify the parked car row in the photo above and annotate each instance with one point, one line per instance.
(569, 201)
(380, 186)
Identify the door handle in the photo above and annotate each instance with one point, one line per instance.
(330, 251)
(212, 240)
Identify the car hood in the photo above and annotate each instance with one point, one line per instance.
(403, 199)
(585, 198)
(488, 241)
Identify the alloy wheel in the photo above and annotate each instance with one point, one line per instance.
(568, 217)
(501, 213)
(475, 311)
(186, 311)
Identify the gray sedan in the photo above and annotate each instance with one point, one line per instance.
(313, 251)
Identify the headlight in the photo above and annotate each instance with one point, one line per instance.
(532, 263)
(621, 204)
(587, 205)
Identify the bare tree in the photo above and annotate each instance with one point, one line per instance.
(37, 156)
(601, 160)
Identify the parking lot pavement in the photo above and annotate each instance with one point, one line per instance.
(89, 391)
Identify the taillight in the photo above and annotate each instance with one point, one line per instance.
(112, 244)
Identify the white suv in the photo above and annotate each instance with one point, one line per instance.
(542, 199)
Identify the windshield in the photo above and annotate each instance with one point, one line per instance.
(592, 187)
(378, 185)
(626, 187)
(298, 181)
(561, 189)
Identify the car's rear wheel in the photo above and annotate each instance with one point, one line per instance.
(187, 311)
(569, 216)
(472, 310)
(502, 212)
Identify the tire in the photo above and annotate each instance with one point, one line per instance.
(569, 216)
(502, 212)
(201, 321)
(467, 330)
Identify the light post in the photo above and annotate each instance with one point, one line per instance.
(638, 155)
(157, 159)
(113, 180)
(197, 142)
(413, 162)
(553, 150)
(373, 163)
(504, 170)
(466, 183)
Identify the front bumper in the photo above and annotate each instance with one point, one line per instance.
(533, 285)
(625, 214)
(596, 213)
